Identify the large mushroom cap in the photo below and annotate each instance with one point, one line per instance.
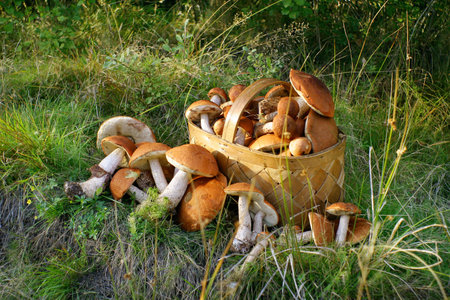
(314, 91)
(201, 203)
(193, 159)
(321, 131)
(134, 129)
(322, 229)
(271, 217)
(196, 109)
(268, 142)
(147, 151)
(342, 208)
(122, 180)
(244, 189)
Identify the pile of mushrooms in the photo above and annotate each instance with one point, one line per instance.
(291, 120)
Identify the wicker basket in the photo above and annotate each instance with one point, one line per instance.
(292, 184)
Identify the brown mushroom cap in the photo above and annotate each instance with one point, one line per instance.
(219, 92)
(300, 146)
(284, 126)
(244, 189)
(147, 151)
(358, 230)
(122, 180)
(196, 109)
(134, 129)
(201, 203)
(342, 208)
(289, 106)
(314, 91)
(277, 91)
(218, 126)
(271, 217)
(235, 91)
(322, 229)
(321, 131)
(268, 142)
(111, 143)
(246, 124)
(193, 159)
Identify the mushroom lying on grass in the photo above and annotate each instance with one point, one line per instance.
(117, 149)
(122, 182)
(344, 210)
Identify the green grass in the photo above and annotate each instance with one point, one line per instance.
(52, 104)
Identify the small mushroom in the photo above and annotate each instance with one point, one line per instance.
(217, 95)
(122, 182)
(344, 210)
(268, 143)
(300, 146)
(284, 126)
(218, 126)
(358, 230)
(235, 91)
(189, 159)
(117, 149)
(148, 156)
(288, 106)
(262, 212)
(203, 111)
(246, 192)
(202, 202)
(262, 129)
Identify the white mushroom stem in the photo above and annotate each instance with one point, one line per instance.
(90, 186)
(175, 189)
(256, 251)
(138, 194)
(304, 237)
(257, 224)
(216, 99)
(158, 174)
(204, 123)
(341, 233)
(242, 240)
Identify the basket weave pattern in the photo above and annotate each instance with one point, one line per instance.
(292, 184)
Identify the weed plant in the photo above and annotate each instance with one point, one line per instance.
(151, 63)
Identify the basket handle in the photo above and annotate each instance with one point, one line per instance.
(244, 98)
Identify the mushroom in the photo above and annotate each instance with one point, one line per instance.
(148, 156)
(235, 91)
(284, 126)
(288, 106)
(217, 95)
(203, 111)
(263, 128)
(202, 202)
(277, 91)
(134, 129)
(117, 149)
(358, 230)
(189, 159)
(321, 131)
(268, 143)
(262, 212)
(322, 229)
(300, 146)
(218, 126)
(122, 182)
(313, 91)
(344, 210)
(246, 192)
